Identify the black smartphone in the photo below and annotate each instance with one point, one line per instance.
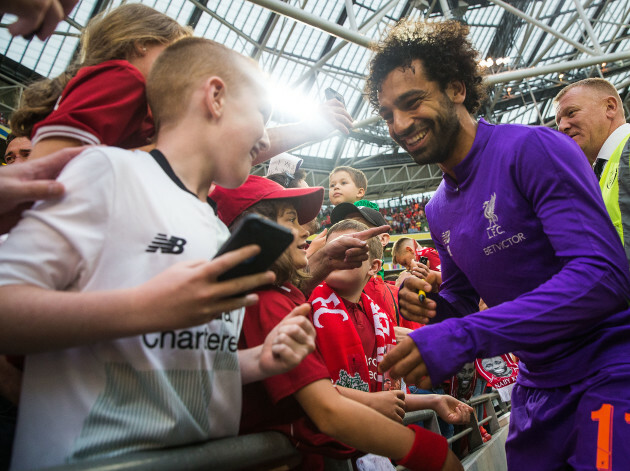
(332, 94)
(272, 238)
(424, 260)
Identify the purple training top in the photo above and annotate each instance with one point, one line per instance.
(524, 227)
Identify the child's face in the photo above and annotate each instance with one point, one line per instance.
(244, 135)
(343, 189)
(288, 218)
(348, 282)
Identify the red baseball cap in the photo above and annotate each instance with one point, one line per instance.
(232, 203)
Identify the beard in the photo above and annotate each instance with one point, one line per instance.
(444, 130)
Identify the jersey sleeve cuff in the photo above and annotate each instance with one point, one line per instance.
(444, 348)
(70, 132)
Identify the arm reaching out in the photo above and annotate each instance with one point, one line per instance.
(184, 295)
(330, 116)
(389, 403)
(285, 347)
(363, 428)
(451, 410)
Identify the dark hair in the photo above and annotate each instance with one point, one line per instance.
(10, 138)
(286, 179)
(446, 54)
(283, 267)
(375, 248)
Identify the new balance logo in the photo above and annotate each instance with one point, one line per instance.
(173, 245)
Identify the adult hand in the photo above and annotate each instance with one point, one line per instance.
(38, 17)
(343, 253)
(389, 403)
(288, 343)
(333, 116)
(188, 293)
(350, 250)
(405, 361)
(20, 185)
(452, 410)
(409, 302)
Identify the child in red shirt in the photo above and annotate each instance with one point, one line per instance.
(303, 403)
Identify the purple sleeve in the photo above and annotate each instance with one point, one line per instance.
(593, 284)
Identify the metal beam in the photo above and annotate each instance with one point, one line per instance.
(587, 26)
(520, 74)
(364, 27)
(446, 9)
(224, 23)
(315, 21)
(541, 25)
(351, 18)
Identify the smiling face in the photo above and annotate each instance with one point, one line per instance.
(421, 118)
(343, 189)
(287, 217)
(495, 365)
(466, 375)
(582, 114)
(244, 135)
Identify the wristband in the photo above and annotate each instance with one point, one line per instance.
(428, 451)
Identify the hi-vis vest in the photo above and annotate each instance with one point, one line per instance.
(615, 186)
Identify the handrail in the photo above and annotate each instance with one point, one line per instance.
(269, 450)
(261, 451)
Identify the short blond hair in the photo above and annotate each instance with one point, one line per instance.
(399, 246)
(601, 85)
(182, 67)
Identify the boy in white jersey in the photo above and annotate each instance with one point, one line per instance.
(133, 361)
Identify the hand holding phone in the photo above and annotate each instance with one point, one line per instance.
(332, 94)
(271, 237)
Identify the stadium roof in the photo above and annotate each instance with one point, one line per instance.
(531, 49)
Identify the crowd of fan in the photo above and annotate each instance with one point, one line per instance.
(405, 217)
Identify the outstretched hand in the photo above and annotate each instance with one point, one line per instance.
(405, 361)
(350, 250)
(21, 185)
(343, 253)
(452, 410)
